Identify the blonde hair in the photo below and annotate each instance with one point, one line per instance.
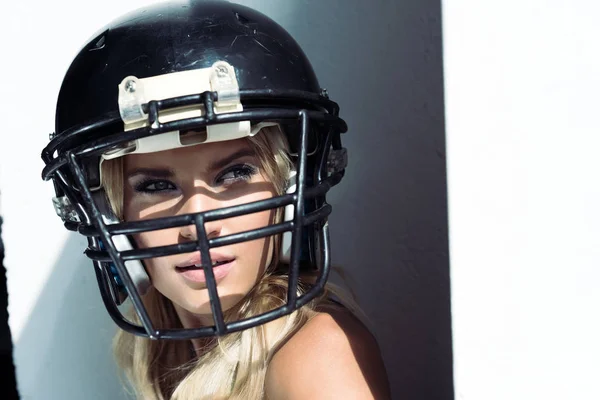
(233, 366)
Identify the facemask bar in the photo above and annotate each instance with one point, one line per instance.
(203, 245)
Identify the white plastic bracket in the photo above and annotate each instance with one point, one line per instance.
(134, 92)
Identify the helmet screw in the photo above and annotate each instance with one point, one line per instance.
(130, 86)
(324, 93)
(222, 71)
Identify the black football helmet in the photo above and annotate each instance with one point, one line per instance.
(232, 70)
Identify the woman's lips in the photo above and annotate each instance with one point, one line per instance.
(197, 275)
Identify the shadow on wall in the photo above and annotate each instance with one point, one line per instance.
(382, 62)
(67, 339)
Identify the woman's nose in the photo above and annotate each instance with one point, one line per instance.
(196, 204)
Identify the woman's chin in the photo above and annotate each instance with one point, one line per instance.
(203, 311)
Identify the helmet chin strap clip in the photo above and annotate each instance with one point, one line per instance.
(288, 215)
(337, 160)
(65, 210)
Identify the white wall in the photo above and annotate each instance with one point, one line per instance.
(522, 82)
(381, 60)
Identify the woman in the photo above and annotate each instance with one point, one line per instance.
(194, 149)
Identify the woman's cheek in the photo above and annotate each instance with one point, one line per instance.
(157, 238)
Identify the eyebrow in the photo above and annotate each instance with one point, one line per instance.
(213, 166)
(223, 162)
(155, 172)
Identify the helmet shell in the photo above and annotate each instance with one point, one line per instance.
(180, 36)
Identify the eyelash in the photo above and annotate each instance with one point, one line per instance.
(241, 172)
(142, 186)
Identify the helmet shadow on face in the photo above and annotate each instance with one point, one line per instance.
(212, 229)
(218, 228)
(228, 195)
(234, 305)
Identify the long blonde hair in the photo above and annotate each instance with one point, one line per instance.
(233, 366)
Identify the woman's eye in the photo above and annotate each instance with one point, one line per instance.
(237, 173)
(154, 186)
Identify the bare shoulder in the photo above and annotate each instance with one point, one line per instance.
(333, 356)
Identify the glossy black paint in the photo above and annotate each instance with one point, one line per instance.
(180, 36)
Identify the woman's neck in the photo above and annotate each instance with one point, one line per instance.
(191, 321)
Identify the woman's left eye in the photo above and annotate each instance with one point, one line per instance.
(237, 173)
(152, 186)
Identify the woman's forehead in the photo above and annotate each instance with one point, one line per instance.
(202, 155)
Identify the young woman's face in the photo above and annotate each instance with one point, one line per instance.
(194, 179)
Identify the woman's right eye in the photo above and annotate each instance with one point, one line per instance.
(154, 186)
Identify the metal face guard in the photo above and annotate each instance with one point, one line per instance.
(95, 227)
